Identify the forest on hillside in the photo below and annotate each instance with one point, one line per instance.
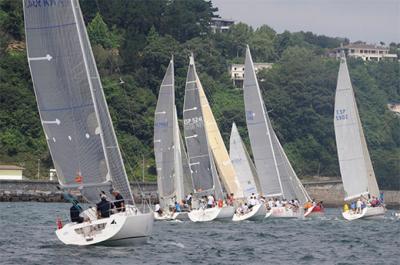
(134, 40)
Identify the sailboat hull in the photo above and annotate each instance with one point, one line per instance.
(257, 212)
(183, 216)
(210, 214)
(284, 212)
(366, 213)
(129, 227)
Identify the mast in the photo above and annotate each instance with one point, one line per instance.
(355, 163)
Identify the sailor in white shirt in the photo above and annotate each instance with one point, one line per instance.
(271, 203)
(278, 203)
(210, 201)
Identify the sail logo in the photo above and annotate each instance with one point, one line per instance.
(192, 123)
(341, 115)
(250, 115)
(161, 124)
(44, 3)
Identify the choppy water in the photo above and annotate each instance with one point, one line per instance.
(27, 237)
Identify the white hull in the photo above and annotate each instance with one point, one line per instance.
(210, 214)
(283, 212)
(122, 228)
(257, 212)
(171, 216)
(366, 213)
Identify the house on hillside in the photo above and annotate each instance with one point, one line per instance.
(221, 24)
(367, 52)
(237, 72)
(11, 172)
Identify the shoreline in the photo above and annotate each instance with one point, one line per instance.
(330, 192)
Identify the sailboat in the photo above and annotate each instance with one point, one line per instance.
(356, 169)
(276, 175)
(247, 175)
(170, 157)
(203, 171)
(77, 123)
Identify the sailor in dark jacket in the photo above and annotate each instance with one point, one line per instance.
(103, 207)
(119, 201)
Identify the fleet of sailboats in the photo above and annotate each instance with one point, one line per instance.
(356, 169)
(77, 124)
(86, 155)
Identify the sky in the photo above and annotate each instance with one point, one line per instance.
(371, 21)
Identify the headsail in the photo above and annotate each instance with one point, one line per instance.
(355, 163)
(242, 163)
(217, 146)
(199, 156)
(259, 132)
(70, 100)
(164, 127)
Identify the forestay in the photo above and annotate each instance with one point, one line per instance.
(259, 132)
(242, 163)
(70, 99)
(355, 164)
(196, 139)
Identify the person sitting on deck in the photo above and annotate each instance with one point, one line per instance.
(74, 212)
(158, 209)
(103, 207)
(119, 202)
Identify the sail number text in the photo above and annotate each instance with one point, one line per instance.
(341, 115)
(192, 123)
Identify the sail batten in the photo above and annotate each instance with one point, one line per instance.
(355, 163)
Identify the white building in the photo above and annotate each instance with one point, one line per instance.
(221, 24)
(367, 52)
(11, 172)
(237, 72)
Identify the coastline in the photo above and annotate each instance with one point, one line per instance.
(329, 191)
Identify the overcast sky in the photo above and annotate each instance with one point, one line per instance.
(367, 20)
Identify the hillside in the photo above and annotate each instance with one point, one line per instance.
(133, 41)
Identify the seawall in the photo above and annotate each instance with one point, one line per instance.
(330, 192)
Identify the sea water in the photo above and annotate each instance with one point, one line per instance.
(27, 237)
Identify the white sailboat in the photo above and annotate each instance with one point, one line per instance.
(168, 151)
(276, 175)
(203, 171)
(247, 175)
(77, 124)
(356, 169)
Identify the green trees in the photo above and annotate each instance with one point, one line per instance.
(133, 41)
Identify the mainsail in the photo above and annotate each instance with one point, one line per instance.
(164, 128)
(355, 163)
(70, 99)
(204, 175)
(217, 145)
(276, 175)
(242, 163)
(259, 132)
